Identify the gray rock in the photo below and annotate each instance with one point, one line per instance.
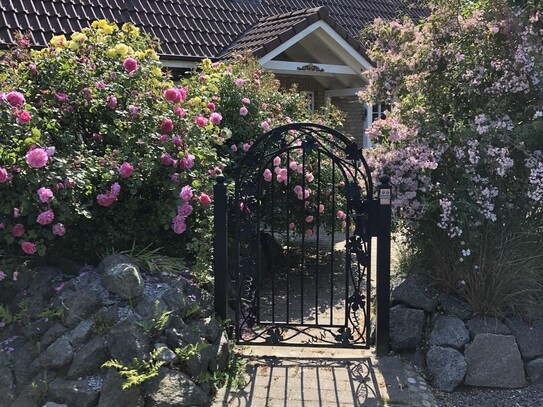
(221, 354)
(207, 328)
(176, 300)
(449, 331)
(199, 363)
(127, 341)
(34, 330)
(447, 367)
(120, 275)
(166, 354)
(73, 393)
(494, 361)
(113, 395)
(415, 293)
(52, 334)
(487, 325)
(89, 358)
(534, 369)
(58, 354)
(23, 358)
(454, 307)
(150, 307)
(81, 333)
(7, 386)
(51, 404)
(179, 337)
(529, 338)
(79, 305)
(405, 327)
(172, 388)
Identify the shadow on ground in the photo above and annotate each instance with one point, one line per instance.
(324, 382)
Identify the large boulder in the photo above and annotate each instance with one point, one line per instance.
(487, 325)
(73, 393)
(529, 338)
(455, 307)
(494, 361)
(415, 293)
(127, 341)
(172, 388)
(449, 331)
(534, 369)
(447, 367)
(59, 354)
(113, 395)
(405, 327)
(120, 275)
(79, 305)
(89, 358)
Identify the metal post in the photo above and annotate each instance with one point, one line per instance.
(220, 247)
(383, 268)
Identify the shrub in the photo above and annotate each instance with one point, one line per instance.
(100, 150)
(462, 141)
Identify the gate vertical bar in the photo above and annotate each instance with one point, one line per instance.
(220, 247)
(383, 268)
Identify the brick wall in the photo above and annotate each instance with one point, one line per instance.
(354, 122)
(305, 83)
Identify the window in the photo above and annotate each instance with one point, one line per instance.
(310, 96)
(378, 111)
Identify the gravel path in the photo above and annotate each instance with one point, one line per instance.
(531, 396)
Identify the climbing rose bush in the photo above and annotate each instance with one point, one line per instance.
(101, 150)
(463, 140)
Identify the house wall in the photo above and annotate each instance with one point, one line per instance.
(355, 120)
(305, 83)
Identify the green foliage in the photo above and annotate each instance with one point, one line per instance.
(139, 370)
(156, 325)
(187, 352)
(51, 312)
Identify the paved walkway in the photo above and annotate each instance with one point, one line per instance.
(325, 377)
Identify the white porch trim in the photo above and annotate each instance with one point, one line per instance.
(292, 68)
(170, 63)
(341, 92)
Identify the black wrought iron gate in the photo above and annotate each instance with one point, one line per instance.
(295, 266)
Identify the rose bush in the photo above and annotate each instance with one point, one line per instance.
(99, 149)
(462, 143)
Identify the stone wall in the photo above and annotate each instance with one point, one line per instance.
(69, 325)
(457, 347)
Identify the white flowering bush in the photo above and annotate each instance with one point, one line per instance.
(463, 139)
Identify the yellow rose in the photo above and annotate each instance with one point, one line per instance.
(79, 37)
(73, 45)
(111, 52)
(157, 71)
(121, 49)
(58, 41)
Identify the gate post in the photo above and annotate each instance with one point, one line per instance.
(220, 247)
(383, 267)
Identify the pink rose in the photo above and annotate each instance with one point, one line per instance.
(246, 147)
(180, 112)
(28, 247)
(265, 125)
(172, 95)
(4, 175)
(277, 161)
(178, 224)
(130, 65)
(243, 111)
(309, 232)
(239, 82)
(184, 210)
(111, 102)
(309, 219)
(201, 121)
(183, 93)
(234, 148)
(166, 159)
(45, 194)
(186, 193)
(126, 170)
(37, 158)
(2, 277)
(61, 97)
(291, 226)
(59, 229)
(17, 230)
(166, 126)
(310, 177)
(341, 215)
(115, 189)
(321, 208)
(215, 118)
(106, 199)
(23, 117)
(15, 99)
(293, 166)
(267, 175)
(205, 200)
(246, 101)
(46, 217)
(211, 106)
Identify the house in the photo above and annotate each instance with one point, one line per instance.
(306, 42)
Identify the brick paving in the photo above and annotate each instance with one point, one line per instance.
(325, 377)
